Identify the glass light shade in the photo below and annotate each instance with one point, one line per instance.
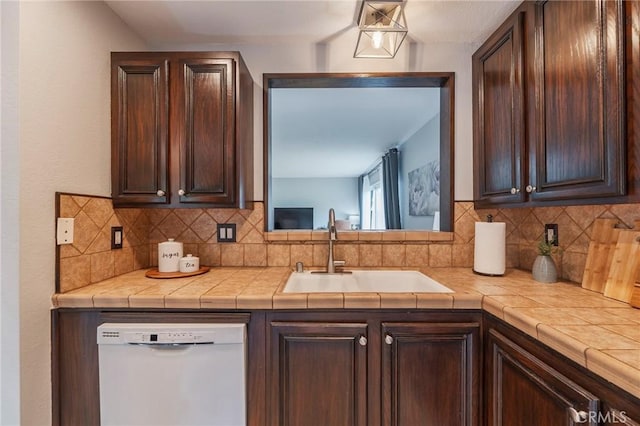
(382, 29)
(378, 44)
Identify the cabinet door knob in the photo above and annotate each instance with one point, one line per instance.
(388, 339)
(160, 193)
(181, 192)
(515, 190)
(577, 416)
(362, 341)
(530, 188)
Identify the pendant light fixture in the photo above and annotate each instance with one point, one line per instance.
(382, 29)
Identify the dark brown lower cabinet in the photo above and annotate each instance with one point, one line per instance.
(373, 368)
(525, 391)
(527, 383)
(366, 367)
(318, 373)
(74, 367)
(430, 374)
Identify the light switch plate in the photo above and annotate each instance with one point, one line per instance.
(116, 237)
(64, 234)
(551, 233)
(226, 232)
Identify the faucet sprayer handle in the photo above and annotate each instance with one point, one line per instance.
(331, 226)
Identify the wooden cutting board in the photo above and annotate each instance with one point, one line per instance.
(635, 295)
(604, 236)
(623, 272)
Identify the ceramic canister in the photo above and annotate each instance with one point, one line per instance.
(169, 255)
(189, 263)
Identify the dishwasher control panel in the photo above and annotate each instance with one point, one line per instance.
(164, 337)
(170, 334)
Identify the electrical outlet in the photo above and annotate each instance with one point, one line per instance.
(551, 233)
(116, 237)
(64, 233)
(226, 232)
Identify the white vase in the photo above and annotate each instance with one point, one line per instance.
(544, 270)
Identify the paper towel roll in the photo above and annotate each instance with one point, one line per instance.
(489, 253)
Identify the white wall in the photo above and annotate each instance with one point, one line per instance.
(337, 56)
(341, 194)
(9, 269)
(419, 149)
(64, 146)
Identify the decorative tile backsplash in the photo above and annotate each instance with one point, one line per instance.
(525, 228)
(90, 258)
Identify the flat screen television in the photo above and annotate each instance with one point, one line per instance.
(293, 218)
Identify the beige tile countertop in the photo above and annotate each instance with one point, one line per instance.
(598, 333)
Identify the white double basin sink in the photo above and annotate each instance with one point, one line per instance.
(369, 281)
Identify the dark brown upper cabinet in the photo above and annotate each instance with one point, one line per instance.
(549, 106)
(182, 129)
(498, 96)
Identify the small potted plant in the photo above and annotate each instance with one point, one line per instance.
(544, 268)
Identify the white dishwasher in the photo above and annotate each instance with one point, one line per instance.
(172, 374)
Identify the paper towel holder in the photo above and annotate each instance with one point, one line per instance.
(494, 265)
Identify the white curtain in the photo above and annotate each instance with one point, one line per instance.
(373, 200)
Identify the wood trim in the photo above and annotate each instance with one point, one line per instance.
(632, 37)
(257, 380)
(444, 80)
(266, 147)
(57, 249)
(341, 80)
(55, 364)
(244, 135)
(447, 152)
